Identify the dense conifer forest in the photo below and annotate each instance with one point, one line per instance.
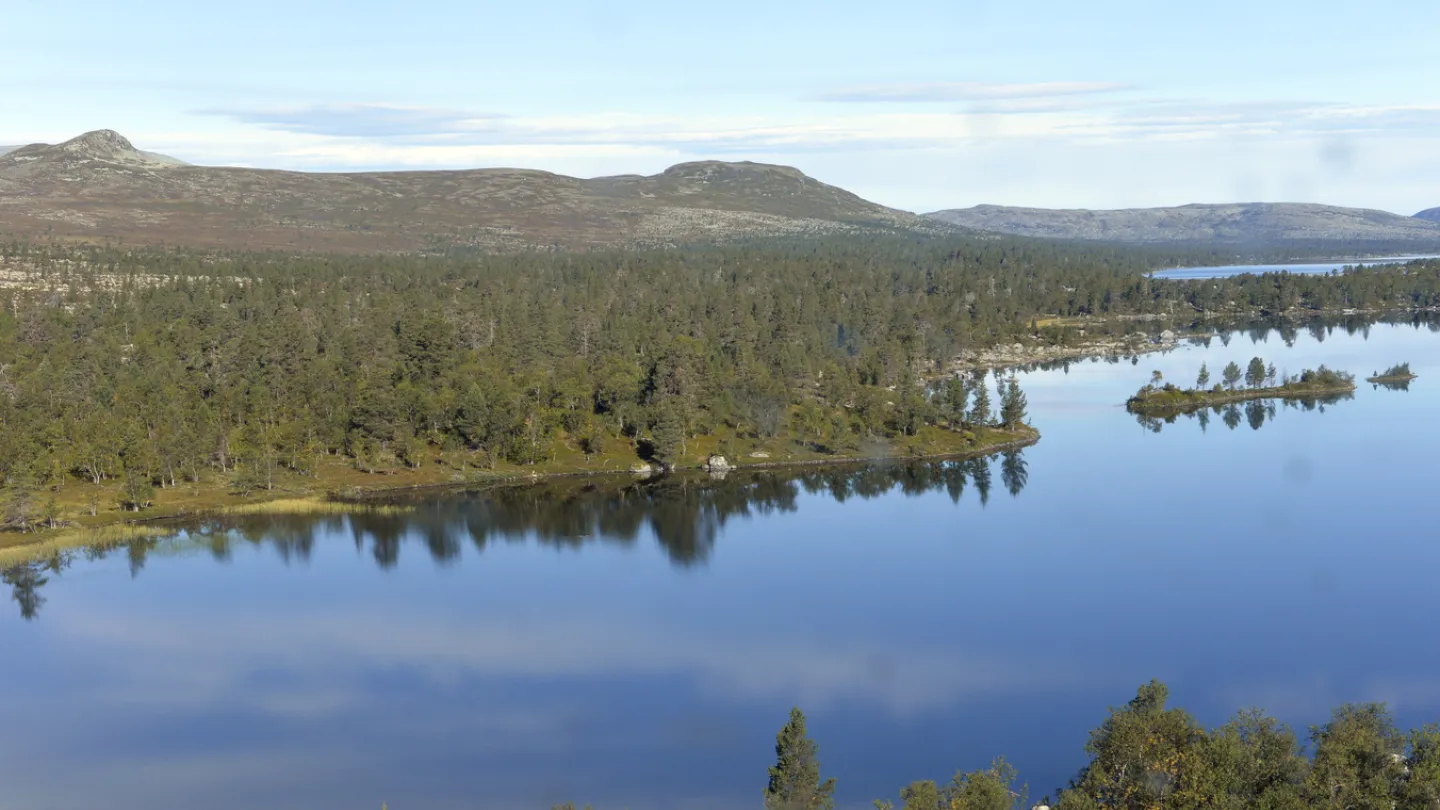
(150, 369)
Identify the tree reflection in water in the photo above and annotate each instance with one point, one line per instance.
(1256, 412)
(684, 513)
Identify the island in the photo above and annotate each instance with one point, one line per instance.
(1259, 382)
(1398, 373)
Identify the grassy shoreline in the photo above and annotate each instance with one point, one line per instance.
(1176, 400)
(340, 489)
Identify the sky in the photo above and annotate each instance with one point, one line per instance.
(920, 105)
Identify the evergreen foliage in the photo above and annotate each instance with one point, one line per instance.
(795, 782)
(144, 370)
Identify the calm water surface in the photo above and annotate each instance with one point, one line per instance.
(1307, 267)
(638, 646)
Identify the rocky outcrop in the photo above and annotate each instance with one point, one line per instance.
(1019, 354)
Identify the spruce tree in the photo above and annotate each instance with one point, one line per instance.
(1203, 381)
(795, 782)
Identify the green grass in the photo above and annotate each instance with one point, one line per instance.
(16, 549)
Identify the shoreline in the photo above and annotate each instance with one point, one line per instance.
(369, 495)
(1197, 326)
(45, 543)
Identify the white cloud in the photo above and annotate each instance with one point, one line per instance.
(1048, 144)
(210, 660)
(360, 120)
(381, 136)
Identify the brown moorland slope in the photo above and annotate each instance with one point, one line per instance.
(99, 187)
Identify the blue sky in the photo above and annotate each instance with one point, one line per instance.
(919, 105)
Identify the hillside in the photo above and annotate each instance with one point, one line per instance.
(1239, 224)
(100, 187)
(1429, 214)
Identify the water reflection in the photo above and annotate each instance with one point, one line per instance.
(1391, 385)
(459, 658)
(1201, 332)
(1256, 413)
(686, 515)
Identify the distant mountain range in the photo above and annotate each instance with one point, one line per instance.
(100, 187)
(1232, 224)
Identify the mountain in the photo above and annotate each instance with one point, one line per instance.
(1429, 214)
(1240, 223)
(102, 145)
(100, 187)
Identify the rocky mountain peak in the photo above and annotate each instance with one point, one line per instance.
(100, 144)
(103, 146)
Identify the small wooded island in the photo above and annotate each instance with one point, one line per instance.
(1398, 373)
(1259, 382)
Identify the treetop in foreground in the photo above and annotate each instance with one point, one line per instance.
(1148, 755)
(795, 781)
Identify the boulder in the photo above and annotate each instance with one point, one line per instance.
(718, 463)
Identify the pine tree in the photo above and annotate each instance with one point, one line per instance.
(1203, 381)
(20, 498)
(1013, 405)
(795, 782)
(956, 398)
(1231, 375)
(1358, 759)
(1255, 373)
(980, 413)
(668, 435)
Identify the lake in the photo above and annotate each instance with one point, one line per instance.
(1308, 267)
(638, 645)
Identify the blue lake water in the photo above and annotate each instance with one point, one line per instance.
(637, 646)
(1307, 266)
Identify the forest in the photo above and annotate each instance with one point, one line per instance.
(134, 372)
